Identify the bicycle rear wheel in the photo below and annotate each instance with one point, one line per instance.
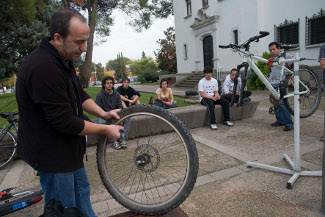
(20, 200)
(309, 101)
(158, 170)
(8, 145)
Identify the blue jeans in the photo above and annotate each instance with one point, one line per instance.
(283, 116)
(71, 188)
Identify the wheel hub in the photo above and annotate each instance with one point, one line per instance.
(146, 158)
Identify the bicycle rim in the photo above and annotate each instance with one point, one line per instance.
(158, 170)
(7, 149)
(309, 102)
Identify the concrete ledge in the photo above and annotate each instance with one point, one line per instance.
(192, 116)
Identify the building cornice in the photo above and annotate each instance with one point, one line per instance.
(203, 19)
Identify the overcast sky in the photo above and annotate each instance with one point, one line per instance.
(123, 38)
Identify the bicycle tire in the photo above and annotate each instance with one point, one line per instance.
(8, 147)
(22, 200)
(310, 101)
(165, 180)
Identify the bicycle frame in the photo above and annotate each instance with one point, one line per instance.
(248, 58)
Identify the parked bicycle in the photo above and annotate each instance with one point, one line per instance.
(8, 141)
(309, 84)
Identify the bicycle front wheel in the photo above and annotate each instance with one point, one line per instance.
(158, 169)
(309, 101)
(8, 145)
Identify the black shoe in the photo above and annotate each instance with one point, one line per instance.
(287, 128)
(247, 99)
(276, 124)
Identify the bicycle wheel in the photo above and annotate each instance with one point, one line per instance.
(309, 101)
(20, 200)
(158, 170)
(8, 144)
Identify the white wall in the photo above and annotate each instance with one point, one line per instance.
(249, 17)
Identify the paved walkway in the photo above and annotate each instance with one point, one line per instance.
(225, 186)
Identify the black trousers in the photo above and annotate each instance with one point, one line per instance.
(211, 105)
(247, 93)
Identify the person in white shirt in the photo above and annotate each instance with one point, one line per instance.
(228, 86)
(209, 96)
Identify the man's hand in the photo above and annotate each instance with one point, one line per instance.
(322, 63)
(113, 131)
(215, 98)
(111, 114)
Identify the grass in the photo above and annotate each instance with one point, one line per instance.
(8, 101)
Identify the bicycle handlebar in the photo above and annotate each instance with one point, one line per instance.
(246, 44)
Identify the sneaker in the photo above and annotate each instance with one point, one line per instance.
(213, 126)
(123, 143)
(247, 99)
(228, 123)
(116, 145)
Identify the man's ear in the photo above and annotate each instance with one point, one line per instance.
(58, 40)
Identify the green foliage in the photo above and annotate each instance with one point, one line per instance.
(99, 71)
(166, 55)
(23, 24)
(146, 69)
(254, 82)
(120, 71)
(113, 64)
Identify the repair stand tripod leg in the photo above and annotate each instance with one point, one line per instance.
(295, 164)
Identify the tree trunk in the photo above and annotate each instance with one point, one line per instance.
(85, 71)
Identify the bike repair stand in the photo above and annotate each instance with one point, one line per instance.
(295, 164)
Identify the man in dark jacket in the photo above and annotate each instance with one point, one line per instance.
(51, 103)
(129, 96)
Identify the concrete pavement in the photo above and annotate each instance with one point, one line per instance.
(225, 186)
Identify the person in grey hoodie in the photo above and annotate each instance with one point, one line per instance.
(109, 99)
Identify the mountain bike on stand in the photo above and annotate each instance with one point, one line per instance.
(309, 83)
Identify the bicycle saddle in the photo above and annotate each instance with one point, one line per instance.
(289, 46)
(7, 114)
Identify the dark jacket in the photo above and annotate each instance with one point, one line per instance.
(108, 102)
(128, 93)
(49, 97)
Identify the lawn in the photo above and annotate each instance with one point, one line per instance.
(8, 101)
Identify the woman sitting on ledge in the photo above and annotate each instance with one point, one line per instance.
(165, 98)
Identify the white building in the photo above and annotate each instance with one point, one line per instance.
(202, 25)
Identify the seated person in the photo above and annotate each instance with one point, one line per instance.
(209, 96)
(165, 98)
(129, 96)
(109, 99)
(228, 86)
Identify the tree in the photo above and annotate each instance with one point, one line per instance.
(120, 71)
(141, 12)
(146, 69)
(143, 55)
(166, 55)
(23, 24)
(99, 71)
(113, 64)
